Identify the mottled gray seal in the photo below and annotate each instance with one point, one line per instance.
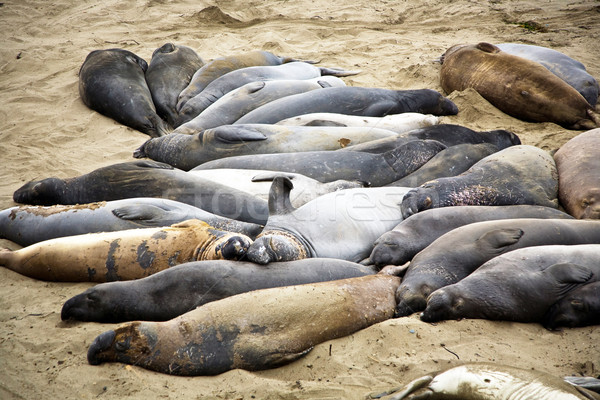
(329, 166)
(170, 71)
(124, 255)
(519, 87)
(112, 82)
(458, 253)
(26, 225)
(581, 307)
(352, 100)
(188, 151)
(519, 286)
(147, 179)
(520, 174)
(578, 163)
(412, 235)
(340, 225)
(179, 289)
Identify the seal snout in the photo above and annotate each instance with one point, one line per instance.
(102, 343)
(235, 248)
(260, 251)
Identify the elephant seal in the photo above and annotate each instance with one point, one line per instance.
(490, 381)
(569, 70)
(518, 286)
(581, 307)
(394, 122)
(112, 82)
(147, 179)
(235, 104)
(458, 253)
(188, 151)
(170, 71)
(352, 100)
(179, 289)
(26, 225)
(520, 174)
(258, 183)
(412, 235)
(578, 163)
(341, 225)
(329, 166)
(519, 87)
(124, 255)
(222, 65)
(257, 330)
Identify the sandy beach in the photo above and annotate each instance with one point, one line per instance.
(46, 130)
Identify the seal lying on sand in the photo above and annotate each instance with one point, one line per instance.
(26, 225)
(256, 330)
(179, 289)
(124, 255)
(113, 83)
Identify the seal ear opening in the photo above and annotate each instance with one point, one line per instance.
(279, 196)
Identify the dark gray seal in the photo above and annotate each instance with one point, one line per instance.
(352, 100)
(521, 174)
(113, 83)
(458, 253)
(145, 179)
(26, 225)
(518, 286)
(581, 307)
(179, 289)
(329, 166)
(170, 71)
(569, 70)
(188, 151)
(412, 235)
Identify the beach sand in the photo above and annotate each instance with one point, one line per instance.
(46, 130)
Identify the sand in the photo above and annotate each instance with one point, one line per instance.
(46, 130)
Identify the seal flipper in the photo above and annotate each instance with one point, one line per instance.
(497, 240)
(152, 164)
(140, 212)
(237, 134)
(279, 359)
(488, 47)
(323, 122)
(279, 196)
(569, 275)
(337, 72)
(253, 87)
(269, 176)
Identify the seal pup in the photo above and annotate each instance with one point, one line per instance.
(170, 71)
(257, 330)
(519, 87)
(581, 307)
(340, 225)
(520, 174)
(518, 286)
(26, 225)
(123, 255)
(113, 83)
(578, 163)
(179, 289)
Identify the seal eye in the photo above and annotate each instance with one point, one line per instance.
(122, 345)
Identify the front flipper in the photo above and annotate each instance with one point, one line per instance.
(569, 275)
(237, 134)
(140, 212)
(337, 72)
(274, 360)
(412, 387)
(279, 196)
(269, 176)
(496, 241)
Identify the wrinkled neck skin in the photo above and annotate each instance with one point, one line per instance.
(211, 248)
(305, 248)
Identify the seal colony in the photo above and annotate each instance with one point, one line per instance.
(197, 336)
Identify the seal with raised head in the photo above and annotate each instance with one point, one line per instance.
(519, 87)
(352, 100)
(581, 307)
(520, 174)
(256, 330)
(329, 166)
(235, 104)
(146, 179)
(170, 71)
(26, 225)
(412, 235)
(518, 286)
(113, 82)
(179, 289)
(188, 151)
(458, 253)
(578, 163)
(340, 225)
(124, 255)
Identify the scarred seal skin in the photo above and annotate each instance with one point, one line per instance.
(578, 165)
(519, 87)
(253, 331)
(490, 381)
(179, 289)
(124, 255)
(521, 174)
(113, 82)
(581, 307)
